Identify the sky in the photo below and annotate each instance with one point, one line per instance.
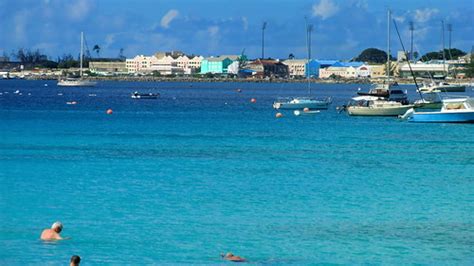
(342, 28)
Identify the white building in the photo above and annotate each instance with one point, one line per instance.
(165, 63)
(140, 63)
(296, 67)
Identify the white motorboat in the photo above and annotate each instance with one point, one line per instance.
(151, 96)
(442, 87)
(453, 110)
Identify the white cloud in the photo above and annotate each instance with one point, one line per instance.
(213, 31)
(20, 19)
(325, 9)
(79, 9)
(423, 15)
(109, 40)
(168, 17)
(245, 22)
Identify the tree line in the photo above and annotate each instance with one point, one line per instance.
(376, 56)
(38, 59)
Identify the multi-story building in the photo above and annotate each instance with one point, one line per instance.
(166, 63)
(217, 65)
(140, 64)
(299, 67)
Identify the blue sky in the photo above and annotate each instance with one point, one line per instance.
(342, 29)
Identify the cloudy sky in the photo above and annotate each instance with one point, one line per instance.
(342, 28)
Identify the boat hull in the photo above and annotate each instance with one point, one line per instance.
(82, 83)
(312, 105)
(442, 117)
(377, 111)
(447, 88)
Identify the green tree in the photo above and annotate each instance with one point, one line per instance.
(453, 53)
(96, 49)
(373, 55)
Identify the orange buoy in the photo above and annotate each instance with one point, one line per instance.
(279, 115)
(109, 111)
(253, 100)
(306, 109)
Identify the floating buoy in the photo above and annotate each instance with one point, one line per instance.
(239, 90)
(253, 100)
(46, 85)
(306, 109)
(109, 111)
(279, 115)
(72, 102)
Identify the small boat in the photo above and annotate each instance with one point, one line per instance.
(442, 87)
(137, 95)
(305, 112)
(453, 110)
(301, 103)
(387, 92)
(76, 82)
(375, 106)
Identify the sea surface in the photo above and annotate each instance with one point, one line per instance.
(203, 171)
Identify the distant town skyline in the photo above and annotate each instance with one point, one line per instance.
(342, 29)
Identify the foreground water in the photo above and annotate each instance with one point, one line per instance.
(203, 171)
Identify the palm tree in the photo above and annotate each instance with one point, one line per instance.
(96, 49)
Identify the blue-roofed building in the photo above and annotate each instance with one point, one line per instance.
(300, 68)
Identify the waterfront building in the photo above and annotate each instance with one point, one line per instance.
(425, 69)
(165, 63)
(299, 67)
(109, 66)
(217, 65)
(377, 71)
(140, 64)
(268, 68)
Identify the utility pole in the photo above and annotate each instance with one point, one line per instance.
(264, 26)
(412, 28)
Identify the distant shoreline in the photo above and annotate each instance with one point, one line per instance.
(236, 80)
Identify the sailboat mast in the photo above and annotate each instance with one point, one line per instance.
(388, 48)
(308, 46)
(81, 54)
(442, 39)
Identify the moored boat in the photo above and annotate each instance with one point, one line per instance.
(137, 95)
(301, 103)
(453, 110)
(442, 87)
(375, 106)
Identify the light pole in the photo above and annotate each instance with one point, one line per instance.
(411, 47)
(264, 25)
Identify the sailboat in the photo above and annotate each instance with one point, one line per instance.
(443, 86)
(77, 82)
(372, 104)
(295, 103)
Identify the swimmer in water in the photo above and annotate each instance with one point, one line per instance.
(53, 233)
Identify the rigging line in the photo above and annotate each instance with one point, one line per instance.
(406, 55)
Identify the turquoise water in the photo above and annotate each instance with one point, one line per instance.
(203, 171)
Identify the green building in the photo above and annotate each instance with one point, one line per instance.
(217, 64)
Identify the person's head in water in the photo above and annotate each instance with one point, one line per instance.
(57, 227)
(75, 260)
